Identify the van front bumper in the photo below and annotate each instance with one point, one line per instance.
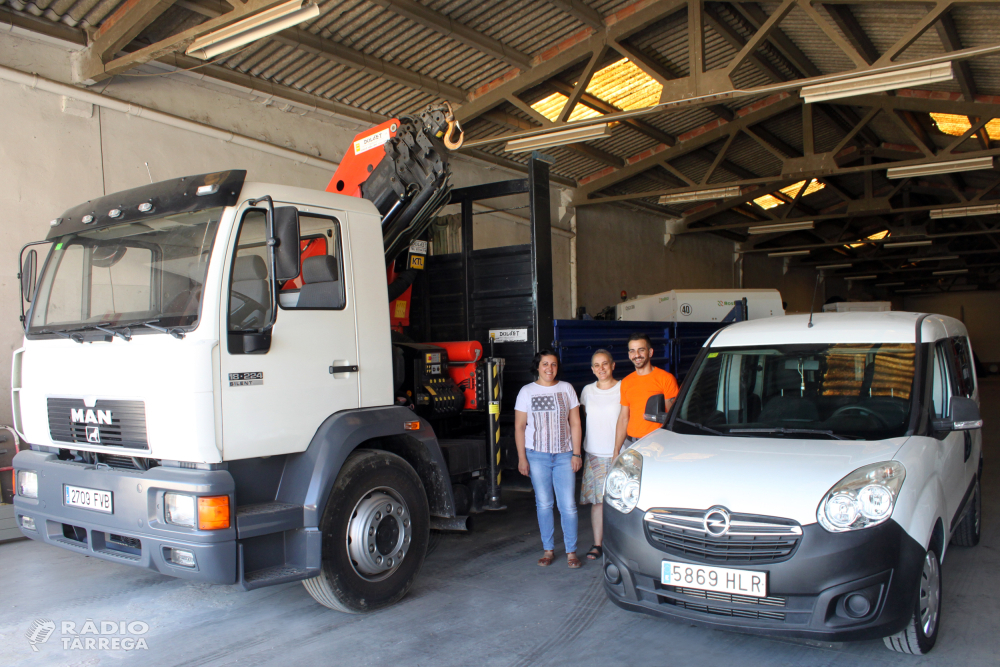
(135, 533)
(806, 592)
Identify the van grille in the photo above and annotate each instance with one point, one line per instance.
(127, 428)
(751, 539)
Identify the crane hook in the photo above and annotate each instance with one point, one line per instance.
(449, 117)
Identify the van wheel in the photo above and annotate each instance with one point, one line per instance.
(967, 533)
(920, 635)
(375, 531)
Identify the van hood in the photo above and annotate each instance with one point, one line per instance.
(776, 477)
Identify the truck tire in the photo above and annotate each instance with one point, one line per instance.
(967, 533)
(375, 532)
(919, 636)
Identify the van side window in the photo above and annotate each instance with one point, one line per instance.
(320, 283)
(249, 278)
(941, 387)
(963, 359)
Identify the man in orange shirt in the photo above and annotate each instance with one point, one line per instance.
(636, 389)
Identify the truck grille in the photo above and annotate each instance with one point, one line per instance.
(750, 539)
(108, 423)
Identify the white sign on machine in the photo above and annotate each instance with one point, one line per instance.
(699, 305)
(509, 335)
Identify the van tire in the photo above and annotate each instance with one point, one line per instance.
(968, 531)
(350, 581)
(917, 638)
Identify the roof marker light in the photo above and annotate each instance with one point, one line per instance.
(208, 189)
(145, 207)
(87, 219)
(115, 213)
(55, 223)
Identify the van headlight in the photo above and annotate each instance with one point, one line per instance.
(863, 499)
(622, 487)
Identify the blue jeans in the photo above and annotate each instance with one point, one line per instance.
(554, 472)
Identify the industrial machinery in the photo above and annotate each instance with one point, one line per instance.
(219, 383)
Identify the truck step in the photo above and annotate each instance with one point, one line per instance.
(279, 574)
(267, 518)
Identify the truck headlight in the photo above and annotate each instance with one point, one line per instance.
(863, 499)
(27, 483)
(622, 487)
(179, 509)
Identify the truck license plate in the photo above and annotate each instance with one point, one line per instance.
(708, 578)
(90, 499)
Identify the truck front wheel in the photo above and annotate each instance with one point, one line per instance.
(375, 532)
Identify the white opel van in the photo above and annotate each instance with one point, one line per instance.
(807, 483)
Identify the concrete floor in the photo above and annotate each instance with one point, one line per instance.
(479, 599)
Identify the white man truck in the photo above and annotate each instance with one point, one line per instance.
(210, 388)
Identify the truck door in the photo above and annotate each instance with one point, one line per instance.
(273, 401)
(951, 453)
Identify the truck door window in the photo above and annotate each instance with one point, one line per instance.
(249, 279)
(320, 284)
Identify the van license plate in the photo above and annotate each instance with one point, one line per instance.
(708, 578)
(90, 499)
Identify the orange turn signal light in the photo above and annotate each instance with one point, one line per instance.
(411, 426)
(213, 512)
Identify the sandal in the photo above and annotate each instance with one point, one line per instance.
(573, 562)
(595, 552)
(547, 559)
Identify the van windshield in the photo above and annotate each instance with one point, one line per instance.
(854, 391)
(149, 271)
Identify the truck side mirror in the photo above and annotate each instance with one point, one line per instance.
(656, 409)
(286, 232)
(29, 272)
(965, 416)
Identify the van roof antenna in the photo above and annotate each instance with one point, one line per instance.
(812, 306)
(149, 172)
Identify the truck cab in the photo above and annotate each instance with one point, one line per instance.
(207, 380)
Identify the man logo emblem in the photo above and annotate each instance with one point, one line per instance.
(716, 521)
(94, 435)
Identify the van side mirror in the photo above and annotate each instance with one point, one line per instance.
(286, 232)
(29, 272)
(656, 409)
(965, 416)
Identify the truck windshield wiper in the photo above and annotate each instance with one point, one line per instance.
(175, 332)
(73, 336)
(782, 430)
(125, 335)
(700, 426)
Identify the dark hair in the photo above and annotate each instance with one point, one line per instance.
(640, 336)
(537, 359)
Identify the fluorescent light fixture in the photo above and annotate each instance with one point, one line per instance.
(252, 28)
(871, 277)
(889, 284)
(932, 259)
(949, 272)
(940, 168)
(788, 253)
(559, 138)
(964, 212)
(877, 83)
(907, 244)
(834, 266)
(912, 289)
(701, 195)
(781, 227)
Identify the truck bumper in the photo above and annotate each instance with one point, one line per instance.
(135, 532)
(806, 592)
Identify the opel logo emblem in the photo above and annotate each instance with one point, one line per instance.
(716, 521)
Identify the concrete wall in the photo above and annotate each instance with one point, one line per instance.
(980, 311)
(620, 249)
(57, 153)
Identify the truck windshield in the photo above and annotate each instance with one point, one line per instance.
(149, 271)
(854, 391)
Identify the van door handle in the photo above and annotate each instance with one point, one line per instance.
(343, 369)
